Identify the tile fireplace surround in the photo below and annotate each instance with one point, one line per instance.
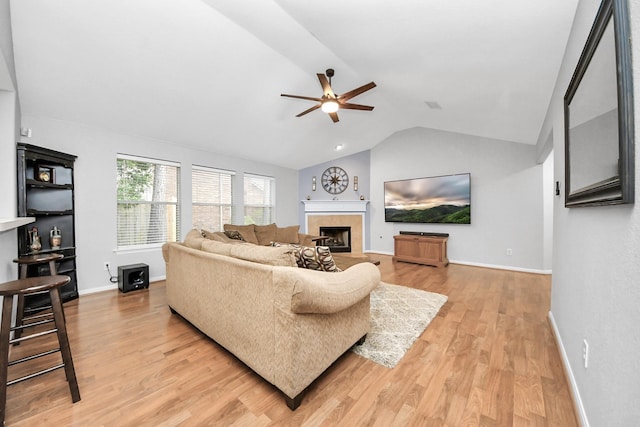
(336, 213)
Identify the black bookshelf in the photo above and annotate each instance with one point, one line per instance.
(46, 192)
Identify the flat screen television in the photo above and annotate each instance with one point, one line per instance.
(437, 199)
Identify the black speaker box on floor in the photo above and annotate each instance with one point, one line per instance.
(132, 277)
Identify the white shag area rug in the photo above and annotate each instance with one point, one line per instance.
(399, 315)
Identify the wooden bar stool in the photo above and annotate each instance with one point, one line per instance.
(23, 287)
(25, 261)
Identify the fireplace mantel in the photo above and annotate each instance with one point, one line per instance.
(335, 205)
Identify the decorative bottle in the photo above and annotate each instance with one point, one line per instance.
(55, 238)
(34, 240)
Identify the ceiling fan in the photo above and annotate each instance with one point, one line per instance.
(330, 102)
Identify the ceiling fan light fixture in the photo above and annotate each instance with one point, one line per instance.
(329, 103)
(330, 106)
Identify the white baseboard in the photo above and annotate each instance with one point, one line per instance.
(477, 264)
(501, 267)
(99, 289)
(112, 287)
(573, 387)
(379, 252)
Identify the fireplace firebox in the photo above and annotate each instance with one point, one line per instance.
(337, 238)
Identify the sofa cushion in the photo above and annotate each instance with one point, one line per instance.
(216, 247)
(287, 234)
(247, 231)
(282, 256)
(215, 235)
(265, 233)
(194, 239)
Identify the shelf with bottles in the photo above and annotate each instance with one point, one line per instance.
(46, 193)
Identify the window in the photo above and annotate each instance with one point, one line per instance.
(148, 208)
(212, 198)
(259, 199)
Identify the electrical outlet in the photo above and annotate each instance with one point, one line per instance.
(509, 251)
(585, 353)
(106, 265)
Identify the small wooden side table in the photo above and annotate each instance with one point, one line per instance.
(8, 290)
(24, 262)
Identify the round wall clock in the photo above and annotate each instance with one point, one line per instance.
(335, 180)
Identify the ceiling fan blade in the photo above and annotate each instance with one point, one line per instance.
(334, 117)
(326, 87)
(315, 107)
(355, 92)
(348, 106)
(308, 98)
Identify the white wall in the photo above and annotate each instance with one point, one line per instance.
(548, 200)
(9, 121)
(357, 164)
(506, 195)
(595, 290)
(95, 190)
(8, 209)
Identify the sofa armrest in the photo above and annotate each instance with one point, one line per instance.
(165, 252)
(323, 293)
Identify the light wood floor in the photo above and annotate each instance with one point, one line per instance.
(487, 359)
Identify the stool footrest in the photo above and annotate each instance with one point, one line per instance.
(34, 356)
(36, 335)
(38, 316)
(35, 374)
(32, 324)
(38, 309)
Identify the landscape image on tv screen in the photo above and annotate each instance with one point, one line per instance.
(438, 199)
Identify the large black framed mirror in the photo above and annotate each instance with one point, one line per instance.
(598, 111)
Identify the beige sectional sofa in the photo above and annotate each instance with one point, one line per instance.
(287, 324)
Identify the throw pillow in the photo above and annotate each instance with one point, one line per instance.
(318, 258)
(234, 234)
(247, 231)
(287, 234)
(213, 235)
(265, 233)
(313, 258)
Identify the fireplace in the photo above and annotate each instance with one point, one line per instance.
(337, 213)
(337, 238)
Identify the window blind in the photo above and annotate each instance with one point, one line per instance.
(148, 209)
(212, 198)
(259, 199)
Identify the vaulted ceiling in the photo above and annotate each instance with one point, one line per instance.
(208, 74)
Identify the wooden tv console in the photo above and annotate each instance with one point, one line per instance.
(421, 249)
